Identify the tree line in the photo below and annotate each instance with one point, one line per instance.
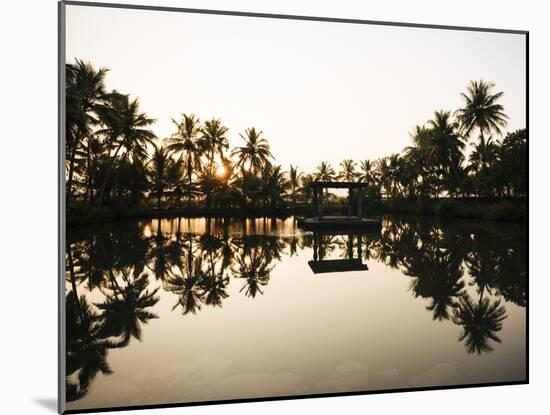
(113, 156)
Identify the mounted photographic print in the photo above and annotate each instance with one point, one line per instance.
(258, 207)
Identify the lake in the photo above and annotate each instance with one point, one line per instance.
(185, 310)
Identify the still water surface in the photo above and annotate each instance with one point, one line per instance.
(186, 310)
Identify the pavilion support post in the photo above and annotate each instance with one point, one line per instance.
(360, 203)
(315, 246)
(320, 205)
(315, 201)
(350, 201)
(360, 246)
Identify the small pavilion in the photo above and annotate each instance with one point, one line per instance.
(353, 187)
(355, 215)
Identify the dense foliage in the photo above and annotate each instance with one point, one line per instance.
(114, 158)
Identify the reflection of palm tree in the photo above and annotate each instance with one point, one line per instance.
(254, 267)
(125, 309)
(161, 254)
(214, 283)
(214, 287)
(480, 322)
(441, 287)
(187, 285)
(483, 266)
(86, 348)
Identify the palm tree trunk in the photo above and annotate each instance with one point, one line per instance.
(106, 179)
(211, 160)
(71, 170)
(189, 180)
(89, 190)
(73, 282)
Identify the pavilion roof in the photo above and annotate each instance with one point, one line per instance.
(337, 185)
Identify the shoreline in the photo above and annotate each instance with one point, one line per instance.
(504, 210)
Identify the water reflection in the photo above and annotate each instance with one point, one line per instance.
(466, 271)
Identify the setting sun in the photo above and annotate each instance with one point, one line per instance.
(220, 171)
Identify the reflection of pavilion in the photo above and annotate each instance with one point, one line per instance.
(351, 221)
(320, 265)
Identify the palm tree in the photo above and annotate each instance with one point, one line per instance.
(368, 173)
(325, 172)
(214, 139)
(273, 185)
(306, 189)
(125, 126)
(186, 141)
(481, 110)
(445, 148)
(483, 155)
(294, 177)
(255, 152)
(85, 89)
(347, 172)
(418, 158)
(480, 322)
(159, 171)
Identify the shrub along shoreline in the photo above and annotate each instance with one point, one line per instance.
(513, 210)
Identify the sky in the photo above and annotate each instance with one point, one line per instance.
(319, 91)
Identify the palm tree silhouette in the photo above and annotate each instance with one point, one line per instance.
(347, 171)
(306, 189)
(480, 322)
(294, 177)
(445, 149)
(483, 155)
(187, 142)
(125, 127)
(255, 152)
(368, 173)
(273, 185)
(481, 110)
(325, 172)
(160, 174)
(85, 90)
(214, 139)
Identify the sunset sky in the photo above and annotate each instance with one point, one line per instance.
(318, 90)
